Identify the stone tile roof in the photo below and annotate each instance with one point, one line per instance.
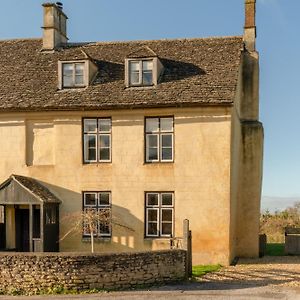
(39, 190)
(196, 72)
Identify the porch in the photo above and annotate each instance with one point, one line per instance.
(29, 216)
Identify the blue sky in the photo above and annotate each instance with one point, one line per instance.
(278, 28)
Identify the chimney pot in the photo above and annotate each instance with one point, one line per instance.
(59, 5)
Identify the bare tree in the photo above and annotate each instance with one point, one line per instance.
(91, 222)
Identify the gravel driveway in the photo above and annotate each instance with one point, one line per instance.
(266, 271)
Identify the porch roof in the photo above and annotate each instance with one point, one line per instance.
(25, 190)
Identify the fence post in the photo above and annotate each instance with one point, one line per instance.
(187, 245)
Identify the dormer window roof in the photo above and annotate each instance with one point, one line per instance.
(142, 68)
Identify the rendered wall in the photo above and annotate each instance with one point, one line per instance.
(199, 177)
(246, 164)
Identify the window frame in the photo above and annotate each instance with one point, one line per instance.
(159, 133)
(97, 135)
(140, 72)
(98, 206)
(74, 63)
(159, 208)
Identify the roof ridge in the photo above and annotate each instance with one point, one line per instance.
(92, 43)
(160, 40)
(20, 40)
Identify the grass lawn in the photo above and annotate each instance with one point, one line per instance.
(275, 249)
(202, 270)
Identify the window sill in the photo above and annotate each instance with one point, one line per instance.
(155, 163)
(140, 87)
(97, 162)
(163, 238)
(158, 162)
(74, 88)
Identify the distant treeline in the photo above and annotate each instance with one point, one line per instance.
(273, 224)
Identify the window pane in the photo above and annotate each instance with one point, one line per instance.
(104, 154)
(152, 154)
(152, 215)
(134, 72)
(104, 199)
(152, 147)
(166, 124)
(104, 141)
(91, 141)
(79, 80)
(152, 140)
(166, 229)
(104, 219)
(167, 199)
(90, 147)
(166, 154)
(147, 65)
(104, 229)
(79, 68)
(152, 229)
(152, 125)
(134, 78)
(68, 81)
(167, 215)
(166, 140)
(147, 78)
(134, 66)
(152, 199)
(68, 69)
(90, 199)
(105, 125)
(50, 215)
(91, 155)
(90, 125)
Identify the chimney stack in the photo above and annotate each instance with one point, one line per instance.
(250, 26)
(55, 26)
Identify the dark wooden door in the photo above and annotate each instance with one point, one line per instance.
(22, 230)
(2, 236)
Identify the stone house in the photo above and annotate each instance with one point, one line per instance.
(153, 132)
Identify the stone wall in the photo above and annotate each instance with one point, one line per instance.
(34, 272)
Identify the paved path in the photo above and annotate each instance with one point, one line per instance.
(267, 278)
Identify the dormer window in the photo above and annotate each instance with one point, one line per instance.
(78, 73)
(141, 72)
(142, 68)
(73, 75)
